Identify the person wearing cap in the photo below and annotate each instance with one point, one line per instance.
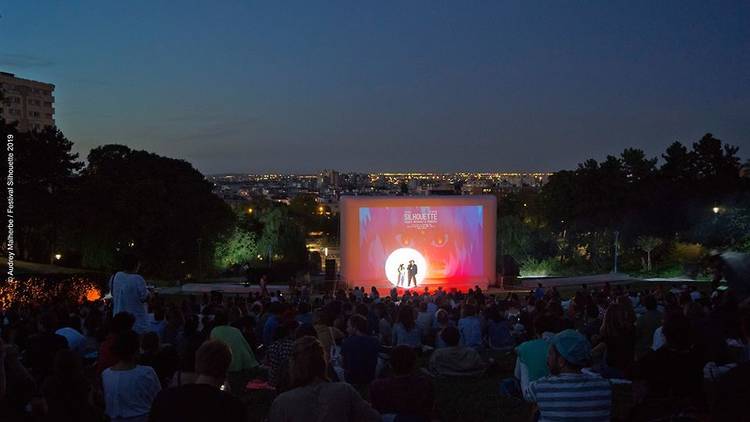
(567, 393)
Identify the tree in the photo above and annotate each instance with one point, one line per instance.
(712, 160)
(678, 163)
(637, 167)
(239, 248)
(45, 170)
(304, 208)
(630, 194)
(648, 244)
(514, 238)
(161, 208)
(282, 238)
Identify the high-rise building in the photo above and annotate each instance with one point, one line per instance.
(328, 178)
(28, 102)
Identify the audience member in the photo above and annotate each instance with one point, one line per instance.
(470, 327)
(279, 352)
(531, 359)
(359, 352)
(72, 333)
(559, 396)
(646, 326)
(674, 373)
(67, 392)
(243, 357)
(129, 388)
(499, 335)
(405, 394)
(313, 397)
(42, 347)
(129, 293)
(455, 359)
(617, 346)
(405, 331)
(204, 399)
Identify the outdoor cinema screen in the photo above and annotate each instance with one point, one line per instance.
(418, 241)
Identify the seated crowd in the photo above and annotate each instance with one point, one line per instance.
(357, 355)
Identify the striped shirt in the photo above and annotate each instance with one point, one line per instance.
(572, 397)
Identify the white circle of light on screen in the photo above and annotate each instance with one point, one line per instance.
(403, 256)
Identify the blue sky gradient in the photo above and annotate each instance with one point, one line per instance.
(465, 85)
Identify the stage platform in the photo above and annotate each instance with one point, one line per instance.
(532, 282)
(524, 285)
(227, 288)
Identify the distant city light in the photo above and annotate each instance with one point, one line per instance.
(58, 257)
(716, 210)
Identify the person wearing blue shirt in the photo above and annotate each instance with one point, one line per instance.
(304, 315)
(405, 331)
(470, 328)
(359, 352)
(499, 335)
(539, 292)
(272, 323)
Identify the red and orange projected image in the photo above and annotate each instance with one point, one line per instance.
(414, 242)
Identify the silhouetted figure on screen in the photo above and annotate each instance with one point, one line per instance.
(401, 269)
(412, 274)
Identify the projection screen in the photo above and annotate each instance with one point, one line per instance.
(409, 242)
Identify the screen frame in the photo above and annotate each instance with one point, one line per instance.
(349, 207)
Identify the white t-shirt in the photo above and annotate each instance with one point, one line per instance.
(659, 339)
(129, 394)
(76, 340)
(129, 294)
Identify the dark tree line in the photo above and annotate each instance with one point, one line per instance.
(44, 170)
(121, 201)
(124, 201)
(692, 195)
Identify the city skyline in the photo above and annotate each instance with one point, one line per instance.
(516, 86)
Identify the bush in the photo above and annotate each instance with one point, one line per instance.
(688, 256)
(46, 289)
(687, 253)
(672, 271)
(531, 267)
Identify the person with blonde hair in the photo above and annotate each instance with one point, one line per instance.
(204, 399)
(314, 397)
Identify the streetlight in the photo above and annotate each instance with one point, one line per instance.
(249, 210)
(58, 257)
(617, 247)
(716, 210)
(200, 256)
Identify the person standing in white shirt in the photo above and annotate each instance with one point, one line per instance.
(129, 293)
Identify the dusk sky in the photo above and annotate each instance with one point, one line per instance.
(387, 86)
